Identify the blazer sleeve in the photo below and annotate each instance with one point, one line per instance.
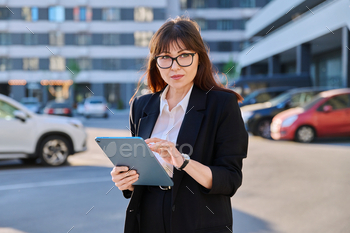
(127, 193)
(231, 145)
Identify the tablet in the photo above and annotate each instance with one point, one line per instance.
(135, 153)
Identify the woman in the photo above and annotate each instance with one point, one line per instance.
(194, 127)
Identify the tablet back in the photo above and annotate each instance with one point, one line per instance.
(135, 153)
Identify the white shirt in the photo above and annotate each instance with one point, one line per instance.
(168, 124)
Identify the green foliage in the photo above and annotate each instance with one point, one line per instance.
(230, 69)
(74, 67)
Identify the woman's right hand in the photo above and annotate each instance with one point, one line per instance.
(123, 178)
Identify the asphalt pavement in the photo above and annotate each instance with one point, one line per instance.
(287, 187)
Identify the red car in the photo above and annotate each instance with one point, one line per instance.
(327, 115)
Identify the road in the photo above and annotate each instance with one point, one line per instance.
(287, 187)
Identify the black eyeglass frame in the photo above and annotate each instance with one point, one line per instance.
(172, 60)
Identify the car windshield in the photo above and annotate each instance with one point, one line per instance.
(250, 96)
(29, 102)
(96, 102)
(280, 98)
(58, 105)
(310, 104)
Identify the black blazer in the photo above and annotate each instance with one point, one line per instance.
(213, 126)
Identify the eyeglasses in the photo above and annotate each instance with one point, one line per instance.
(182, 60)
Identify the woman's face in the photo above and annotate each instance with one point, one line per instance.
(177, 76)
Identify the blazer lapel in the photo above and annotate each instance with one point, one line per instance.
(149, 116)
(189, 131)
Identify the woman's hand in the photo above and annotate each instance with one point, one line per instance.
(123, 178)
(167, 150)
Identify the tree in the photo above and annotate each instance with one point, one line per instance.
(230, 69)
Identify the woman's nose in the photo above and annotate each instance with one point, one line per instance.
(175, 66)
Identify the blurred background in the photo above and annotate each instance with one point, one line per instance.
(69, 68)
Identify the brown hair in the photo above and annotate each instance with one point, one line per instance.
(183, 30)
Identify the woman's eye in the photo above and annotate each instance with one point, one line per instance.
(164, 57)
(184, 55)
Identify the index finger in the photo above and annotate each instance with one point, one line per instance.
(153, 140)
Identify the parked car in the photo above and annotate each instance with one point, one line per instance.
(258, 117)
(95, 106)
(263, 95)
(58, 108)
(29, 136)
(328, 115)
(32, 103)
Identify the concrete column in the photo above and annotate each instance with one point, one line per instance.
(18, 92)
(97, 89)
(346, 57)
(274, 65)
(303, 58)
(45, 95)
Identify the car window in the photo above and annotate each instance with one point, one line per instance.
(6, 110)
(337, 102)
(302, 98)
(295, 100)
(263, 97)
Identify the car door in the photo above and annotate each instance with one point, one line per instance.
(16, 136)
(336, 121)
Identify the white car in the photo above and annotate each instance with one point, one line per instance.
(29, 136)
(95, 106)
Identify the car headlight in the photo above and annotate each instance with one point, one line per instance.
(289, 121)
(246, 116)
(76, 123)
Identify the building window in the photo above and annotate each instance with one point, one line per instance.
(111, 64)
(224, 25)
(30, 63)
(56, 38)
(5, 39)
(183, 4)
(111, 39)
(224, 46)
(82, 14)
(142, 38)
(30, 14)
(83, 39)
(4, 64)
(202, 24)
(199, 4)
(57, 63)
(56, 13)
(143, 14)
(225, 3)
(247, 3)
(84, 63)
(30, 39)
(111, 14)
(4, 13)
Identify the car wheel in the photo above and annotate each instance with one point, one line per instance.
(29, 161)
(54, 151)
(305, 134)
(106, 115)
(87, 116)
(263, 128)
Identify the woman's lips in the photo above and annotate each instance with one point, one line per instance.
(176, 77)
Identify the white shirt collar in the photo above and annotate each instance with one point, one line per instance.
(183, 103)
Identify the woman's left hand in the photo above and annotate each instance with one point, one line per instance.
(167, 150)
